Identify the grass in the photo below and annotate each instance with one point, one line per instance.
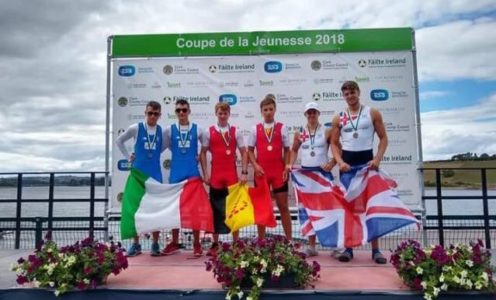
(460, 178)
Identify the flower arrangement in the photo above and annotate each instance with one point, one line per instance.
(435, 269)
(83, 265)
(257, 262)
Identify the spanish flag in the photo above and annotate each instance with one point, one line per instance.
(247, 206)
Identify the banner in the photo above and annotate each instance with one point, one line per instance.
(386, 81)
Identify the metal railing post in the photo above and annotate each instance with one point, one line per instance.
(18, 212)
(440, 215)
(485, 207)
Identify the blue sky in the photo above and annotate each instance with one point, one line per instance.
(53, 62)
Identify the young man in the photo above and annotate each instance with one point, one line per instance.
(271, 141)
(182, 139)
(313, 140)
(146, 157)
(356, 128)
(222, 140)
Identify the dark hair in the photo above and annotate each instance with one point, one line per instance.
(350, 85)
(182, 101)
(269, 99)
(154, 105)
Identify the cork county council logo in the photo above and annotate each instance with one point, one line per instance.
(168, 69)
(167, 100)
(362, 63)
(212, 68)
(122, 101)
(316, 65)
(316, 96)
(166, 164)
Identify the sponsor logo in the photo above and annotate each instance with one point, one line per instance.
(389, 78)
(182, 70)
(323, 80)
(122, 101)
(127, 71)
(381, 62)
(232, 68)
(390, 127)
(200, 84)
(247, 99)
(362, 79)
(156, 85)
(167, 100)
(249, 115)
(119, 197)
(166, 164)
(327, 112)
(328, 124)
(292, 81)
(399, 94)
(171, 116)
(145, 70)
(266, 82)
(283, 98)
(168, 69)
(231, 99)
(249, 83)
(379, 95)
(273, 67)
(120, 131)
(327, 96)
(397, 158)
(173, 85)
(123, 165)
(316, 65)
(330, 65)
(136, 86)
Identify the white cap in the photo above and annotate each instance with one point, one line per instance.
(311, 105)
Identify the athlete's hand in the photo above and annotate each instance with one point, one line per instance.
(285, 174)
(344, 167)
(206, 179)
(259, 171)
(374, 164)
(327, 166)
(131, 158)
(243, 179)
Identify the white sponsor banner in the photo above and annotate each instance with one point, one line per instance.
(385, 78)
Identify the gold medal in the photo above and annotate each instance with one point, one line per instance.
(312, 153)
(269, 147)
(355, 135)
(228, 152)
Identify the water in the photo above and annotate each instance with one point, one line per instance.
(80, 209)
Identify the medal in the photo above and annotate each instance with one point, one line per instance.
(150, 144)
(355, 126)
(269, 137)
(182, 141)
(312, 138)
(227, 140)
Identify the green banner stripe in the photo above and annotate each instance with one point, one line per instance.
(255, 43)
(133, 193)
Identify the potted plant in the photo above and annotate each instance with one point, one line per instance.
(272, 262)
(83, 265)
(435, 269)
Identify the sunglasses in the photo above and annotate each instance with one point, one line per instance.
(183, 110)
(153, 113)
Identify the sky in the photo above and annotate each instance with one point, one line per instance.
(53, 66)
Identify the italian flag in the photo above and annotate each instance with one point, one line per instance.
(149, 205)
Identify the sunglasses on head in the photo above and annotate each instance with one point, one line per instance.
(183, 110)
(153, 113)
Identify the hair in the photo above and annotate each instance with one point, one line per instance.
(182, 101)
(268, 99)
(154, 105)
(349, 85)
(223, 106)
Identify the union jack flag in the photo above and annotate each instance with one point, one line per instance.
(364, 208)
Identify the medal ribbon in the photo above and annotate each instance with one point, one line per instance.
(181, 140)
(227, 140)
(150, 143)
(269, 137)
(354, 126)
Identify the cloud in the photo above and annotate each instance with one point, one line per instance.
(457, 50)
(53, 57)
(432, 95)
(467, 129)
